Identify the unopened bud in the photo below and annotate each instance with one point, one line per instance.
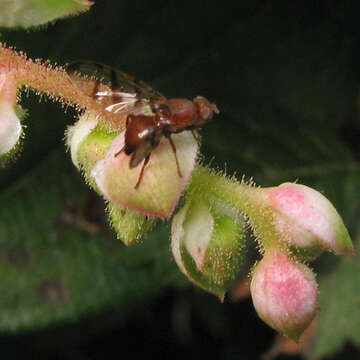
(306, 219)
(284, 294)
(96, 150)
(161, 185)
(208, 244)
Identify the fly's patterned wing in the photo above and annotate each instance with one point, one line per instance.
(117, 91)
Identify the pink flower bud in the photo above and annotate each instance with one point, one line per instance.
(10, 127)
(305, 218)
(161, 185)
(284, 294)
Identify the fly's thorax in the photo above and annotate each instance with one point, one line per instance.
(139, 128)
(184, 114)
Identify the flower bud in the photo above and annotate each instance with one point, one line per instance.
(10, 126)
(284, 294)
(306, 219)
(89, 142)
(207, 243)
(160, 187)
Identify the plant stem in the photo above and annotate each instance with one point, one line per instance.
(248, 199)
(53, 81)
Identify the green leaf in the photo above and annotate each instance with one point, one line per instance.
(29, 13)
(57, 264)
(339, 318)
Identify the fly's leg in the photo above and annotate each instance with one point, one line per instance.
(196, 137)
(119, 152)
(142, 171)
(174, 151)
(147, 158)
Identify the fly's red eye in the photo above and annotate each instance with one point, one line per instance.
(206, 109)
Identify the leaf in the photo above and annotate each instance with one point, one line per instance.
(29, 13)
(339, 318)
(57, 264)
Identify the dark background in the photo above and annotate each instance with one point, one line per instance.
(285, 77)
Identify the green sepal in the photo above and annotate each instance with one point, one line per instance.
(130, 226)
(94, 148)
(225, 252)
(212, 244)
(199, 278)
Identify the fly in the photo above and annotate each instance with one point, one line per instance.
(149, 114)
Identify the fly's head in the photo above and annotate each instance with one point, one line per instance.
(205, 108)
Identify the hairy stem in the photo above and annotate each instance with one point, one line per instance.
(248, 199)
(44, 78)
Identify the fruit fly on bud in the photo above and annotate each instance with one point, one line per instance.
(149, 115)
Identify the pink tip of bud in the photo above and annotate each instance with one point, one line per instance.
(306, 218)
(284, 294)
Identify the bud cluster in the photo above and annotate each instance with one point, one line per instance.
(291, 223)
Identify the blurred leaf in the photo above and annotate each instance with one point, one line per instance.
(339, 317)
(28, 13)
(57, 264)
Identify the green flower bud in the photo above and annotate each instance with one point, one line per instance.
(208, 242)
